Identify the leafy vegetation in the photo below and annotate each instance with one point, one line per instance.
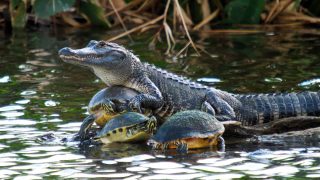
(47, 8)
(170, 18)
(244, 11)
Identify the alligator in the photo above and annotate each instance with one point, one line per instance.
(166, 93)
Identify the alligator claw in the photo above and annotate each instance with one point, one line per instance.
(135, 105)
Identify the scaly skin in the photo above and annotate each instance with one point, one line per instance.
(264, 108)
(160, 91)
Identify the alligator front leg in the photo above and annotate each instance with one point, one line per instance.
(150, 97)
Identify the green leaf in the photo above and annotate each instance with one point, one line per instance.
(46, 8)
(18, 13)
(94, 13)
(244, 11)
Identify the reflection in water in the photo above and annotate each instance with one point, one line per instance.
(40, 95)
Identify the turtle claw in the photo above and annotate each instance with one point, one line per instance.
(80, 137)
(182, 147)
(221, 144)
(89, 142)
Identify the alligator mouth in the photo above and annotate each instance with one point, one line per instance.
(79, 57)
(68, 54)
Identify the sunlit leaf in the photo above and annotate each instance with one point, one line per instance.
(94, 13)
(18, 13)
(46, 8)
(244, 11)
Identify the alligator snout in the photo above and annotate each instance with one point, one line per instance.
(66, 51)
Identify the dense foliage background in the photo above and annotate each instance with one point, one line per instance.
(168, 18)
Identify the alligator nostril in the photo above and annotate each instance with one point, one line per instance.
(65, 51)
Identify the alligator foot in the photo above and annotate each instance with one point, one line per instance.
(221, 107)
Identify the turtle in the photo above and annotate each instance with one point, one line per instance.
(104, 105)
(127, 127)
(190, 129)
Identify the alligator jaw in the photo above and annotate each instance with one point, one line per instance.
(72, 58)
(77, 57)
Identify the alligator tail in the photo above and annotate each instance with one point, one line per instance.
(263, 108)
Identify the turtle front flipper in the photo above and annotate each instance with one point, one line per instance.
(221, 144)
(85, 126)
(182, 147)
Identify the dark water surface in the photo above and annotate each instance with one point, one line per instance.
(40, 94)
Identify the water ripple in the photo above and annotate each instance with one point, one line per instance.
(11, 114)
(55, 158)
(4, 79)
(162, 165)
(135, 158)
(11, 108)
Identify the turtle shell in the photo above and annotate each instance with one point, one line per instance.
(122, 120)
(114, 92)
(188, 124)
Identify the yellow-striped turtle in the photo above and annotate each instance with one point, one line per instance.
(189, 130)
(127, 127)
(105, 105)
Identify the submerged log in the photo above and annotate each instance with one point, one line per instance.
(235, 129)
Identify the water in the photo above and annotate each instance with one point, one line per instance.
(40, 94)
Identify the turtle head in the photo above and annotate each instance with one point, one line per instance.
(151, 125)
(110, 62)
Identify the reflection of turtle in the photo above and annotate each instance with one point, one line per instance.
(104, 105)
(127, 127)
(189, 129)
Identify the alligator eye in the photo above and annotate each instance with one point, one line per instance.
(101, 44)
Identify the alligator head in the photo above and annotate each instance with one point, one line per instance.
(110, 62)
